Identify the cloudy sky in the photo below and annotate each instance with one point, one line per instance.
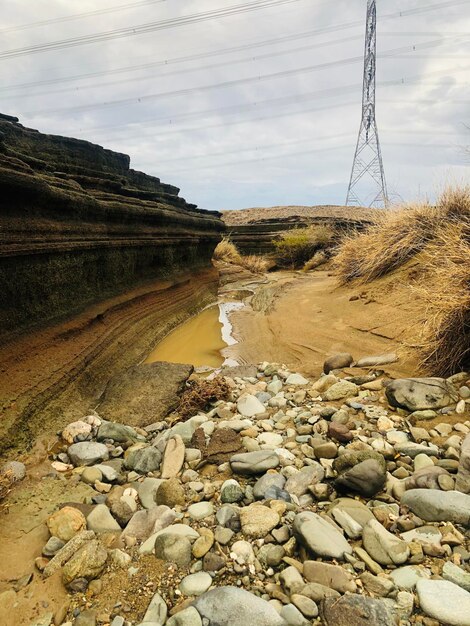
(246, 106)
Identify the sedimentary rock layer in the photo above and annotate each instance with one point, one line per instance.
(79, 226)
(97, 263)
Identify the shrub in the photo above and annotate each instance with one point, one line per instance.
(295, 247)
(200, 394)
(227, 252)
(397, 237)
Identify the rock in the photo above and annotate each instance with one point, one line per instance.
(340, 432)
(382, 546)
(66, 523)
(327, 575)
(186, 617)
(143, 460)
(79, 429)
(258, 520)
(416, 394)
(205, 542)
(444, 601)
(91, 475)
(378, 585)
(143, 523)
(319, 536)
(263, 484)
(86, 618)
(356, 610)
(116, 432)
(270, 441)
(354, 508)
(223, 444)
(230, 606)
(231, 492)
(377, 361)
(159, 387)
(306, 606)
(88, 562)
(173, 458)
(200, 510)
(327, 450)
(171, 493)
(156, 611)
(291, 580)
(173, 548)
(462, 482)
(363, 472)
(195, 584)
(337, 362)
(296, 380)
(100, 520)
(252, 463)
(69, 549)
(407, 577)
(456, 575)
(293, 616)
(249, 406)
(426, 478)
(53, 546)
(340, 390)
(87, 453)
(299, 483)
(439, 506)
(147, 491)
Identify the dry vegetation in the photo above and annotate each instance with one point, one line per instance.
(200, 394)
(227, 252)
(438, 237)
(298, 247)
(6, 479)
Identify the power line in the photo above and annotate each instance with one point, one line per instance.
(77, 16)
(149, 27)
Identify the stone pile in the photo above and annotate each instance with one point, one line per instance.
(293, 502)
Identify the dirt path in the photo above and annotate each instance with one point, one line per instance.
(299, 319)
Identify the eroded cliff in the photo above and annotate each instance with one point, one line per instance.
(97, 263)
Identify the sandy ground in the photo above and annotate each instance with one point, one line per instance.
(299, 319)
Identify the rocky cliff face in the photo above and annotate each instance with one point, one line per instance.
(79, 226)
(97, 263)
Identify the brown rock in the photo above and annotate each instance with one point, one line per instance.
(66, 523)
(171, 493)
(223, 444)
(173, 458)
(340, 432)
(88, 562)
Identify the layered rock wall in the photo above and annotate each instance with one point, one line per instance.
(97, 263)
(79, 226)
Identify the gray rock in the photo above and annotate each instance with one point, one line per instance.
(249, 406)
(15, 470)
(186, 617)
(356, 610)
(407, 577)
(337, 362)
(377, 361)
(462, 482)
(117, 432)
(252, 463)
(147, 491)
(293, 616)
(195, 584)
(366, 478)
(438, 506)
(230, 606)
(415, 394)
(328, 575)
(354, 508)
(456, 575)
(87, 453)
(382, 546)
(267, 481)
(231, 492)
(444, 601)
(53, 546)
(88, 562)
(319, 536)
(173, 549)
(156, 610)
(299, 483)
(144, 460)
(100, 520)
(413, 449)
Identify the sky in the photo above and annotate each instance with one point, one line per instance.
(257, 105)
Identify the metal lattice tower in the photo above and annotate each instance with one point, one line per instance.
(368, 157)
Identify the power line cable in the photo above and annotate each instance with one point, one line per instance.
(149, 27)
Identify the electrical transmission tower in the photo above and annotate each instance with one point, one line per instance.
(368, 163)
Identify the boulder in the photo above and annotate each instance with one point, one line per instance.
(382, 546)
(66, 523)
(144, 393)
(356, 610)
(230, 606)
(416, 394)
(444, 601)
(88, 562)
(337, 362)
(439, 506)
(363, 472)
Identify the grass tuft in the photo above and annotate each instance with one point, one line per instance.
(227, 252)
(296, 247)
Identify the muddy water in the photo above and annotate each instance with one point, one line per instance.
(199, 341)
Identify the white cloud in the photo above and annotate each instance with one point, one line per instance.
(262, 151)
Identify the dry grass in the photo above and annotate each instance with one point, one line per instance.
(444, 343)
(398, 236)
(200, 394)
(438, 237)
(227, 252)
(319, 258)
(6, 480)
(296, 247)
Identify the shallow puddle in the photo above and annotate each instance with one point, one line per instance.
(199, 341)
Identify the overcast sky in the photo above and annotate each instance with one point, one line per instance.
(264, 140)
